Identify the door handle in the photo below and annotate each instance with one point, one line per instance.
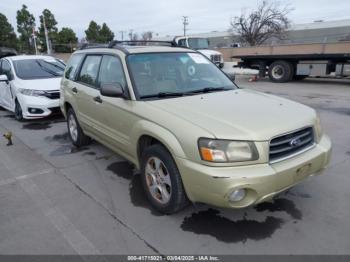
(74, 90)
(98, 99)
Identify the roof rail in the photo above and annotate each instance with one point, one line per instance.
(92, 45)
(142, 43)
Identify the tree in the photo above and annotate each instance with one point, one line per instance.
(25, 25)
(147, 35)
(270, 19)
(97, 34)
(7, 35)
(106, 35)
(133, 36)
(93, 32)
(52, 30)
(66, 40)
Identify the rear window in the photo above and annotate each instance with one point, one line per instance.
(39, 68)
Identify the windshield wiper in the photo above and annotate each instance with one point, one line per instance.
(163, 94)
(46, 69)
(208, 90)
(57, 66)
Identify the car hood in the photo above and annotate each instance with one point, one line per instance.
(47, 84)
(240, 114)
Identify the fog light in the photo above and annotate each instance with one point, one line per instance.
(35, 110)
(237, 195)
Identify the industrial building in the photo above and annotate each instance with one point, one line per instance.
(316, 32)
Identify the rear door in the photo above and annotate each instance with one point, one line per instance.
(6, 91)
(87, 94)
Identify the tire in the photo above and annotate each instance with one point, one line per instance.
(18, 111)
(75, 132)
(168, 195)
(281, 72)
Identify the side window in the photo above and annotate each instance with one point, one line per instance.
(6, 69)
(72, 66)
(111, 71)
(89, 71)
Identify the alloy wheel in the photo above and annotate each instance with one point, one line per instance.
(158, 180)
(73, 127)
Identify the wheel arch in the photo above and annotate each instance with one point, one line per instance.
(147, 133)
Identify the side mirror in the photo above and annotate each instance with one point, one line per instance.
(4, 78)
(112, 90)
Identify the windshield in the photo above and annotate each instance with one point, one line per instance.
(39, 68)
(169, 74)
(198, 43)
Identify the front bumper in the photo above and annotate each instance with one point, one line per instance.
(212, 185)
(48, 106)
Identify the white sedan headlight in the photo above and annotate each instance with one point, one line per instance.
(224, 151)
(31, 92)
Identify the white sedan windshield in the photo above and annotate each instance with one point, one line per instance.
(38, 68)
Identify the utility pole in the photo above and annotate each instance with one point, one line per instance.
(46, 37)
(34, 38)
(122, 34)
(185, 23)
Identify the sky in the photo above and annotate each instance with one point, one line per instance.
(164, 17)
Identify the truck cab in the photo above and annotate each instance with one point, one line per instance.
(201, 45)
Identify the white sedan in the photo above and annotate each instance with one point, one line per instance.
(30, 85)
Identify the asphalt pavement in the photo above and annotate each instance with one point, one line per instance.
(56, 199)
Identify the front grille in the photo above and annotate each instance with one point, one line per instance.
(215, 58)
(52, 94)
(286, 145)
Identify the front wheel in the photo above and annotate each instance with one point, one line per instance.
(162, 180)
(18, 111)
(75, 132)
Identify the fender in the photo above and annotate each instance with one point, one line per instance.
(166, 137)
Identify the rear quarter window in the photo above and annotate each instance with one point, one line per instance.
(72, 66)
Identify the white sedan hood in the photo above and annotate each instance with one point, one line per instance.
(47, 84)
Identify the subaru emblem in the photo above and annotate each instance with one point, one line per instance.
(295, 142)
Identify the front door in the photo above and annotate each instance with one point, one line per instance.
(116, 113)
(6, 92)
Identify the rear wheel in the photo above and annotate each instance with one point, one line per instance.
(18, 111)
(75, 132)
(281, 72)
(162, 180)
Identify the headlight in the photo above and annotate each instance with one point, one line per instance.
(222, 151)
(31, 92)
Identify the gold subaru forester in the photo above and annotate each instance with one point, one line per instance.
(193, 134)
